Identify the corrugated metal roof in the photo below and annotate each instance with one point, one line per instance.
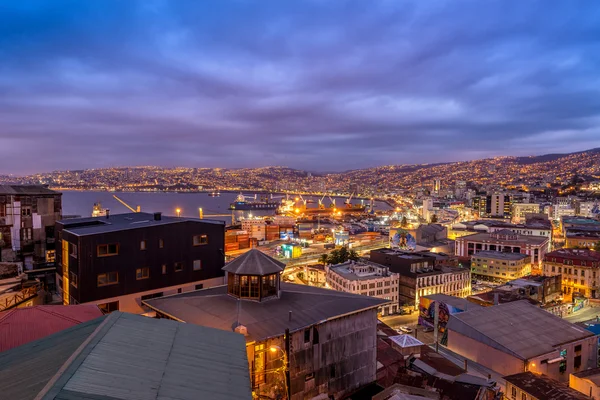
(129, 357)
(517, 328)
(23, 325)
(25, 370)
(25, 190)
(254, 262)
(544, 387)
(309, 305)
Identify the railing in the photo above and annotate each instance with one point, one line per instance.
(23, 295)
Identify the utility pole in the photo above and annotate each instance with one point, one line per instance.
(287, 364)
(436, 321)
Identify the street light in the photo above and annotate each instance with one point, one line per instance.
(178, 212)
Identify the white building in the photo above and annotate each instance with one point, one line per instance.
(562, 210)
(255, 227)
(519, 210)
(367, 279)
(452, 281)
(585, 209)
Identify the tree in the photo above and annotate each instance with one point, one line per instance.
(434, 219)
(339, 256)
(323, 259)
(404, 222)
(353, 255)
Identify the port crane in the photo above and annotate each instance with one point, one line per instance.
(348, 201)
(135, 210)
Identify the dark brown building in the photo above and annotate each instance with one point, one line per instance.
(119, 260)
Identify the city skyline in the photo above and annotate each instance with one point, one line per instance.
(310, 85)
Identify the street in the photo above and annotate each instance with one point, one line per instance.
(585, 314)
(395, 321)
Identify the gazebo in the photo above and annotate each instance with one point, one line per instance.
(254, 276)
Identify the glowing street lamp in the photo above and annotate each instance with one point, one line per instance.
(178, 212)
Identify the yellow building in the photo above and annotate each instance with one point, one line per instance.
(496, 265)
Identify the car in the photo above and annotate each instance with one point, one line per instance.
(427, 329)
(291, 278)
(405, 329)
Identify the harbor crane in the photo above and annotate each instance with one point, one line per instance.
(135, 210)
(349, 200)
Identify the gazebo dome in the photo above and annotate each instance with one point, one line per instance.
(254, 276)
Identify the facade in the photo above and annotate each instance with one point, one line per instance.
(530, 386)
(496, 205)
(419, 276)
(27, 218)
(587, 208)
(447, 306)
(586, 382)
(304, 325)
(315, 275)
(500, 266)
(506, 241)
(582, 237)
(517, 337)
(119, 260)
(367, 279)
(579, 269)
(520, 211)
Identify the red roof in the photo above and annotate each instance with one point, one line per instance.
(23, 325)
(573, 254)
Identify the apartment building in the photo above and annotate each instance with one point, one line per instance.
(119, 260)
(520, 211)
(367, 279)
(579, 268)
(500, 266)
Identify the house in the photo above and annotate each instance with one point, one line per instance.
(119, 260)
(124, 356)
(530, 386)
(516, 337)
(329, 338)
(23, 325)
(586, 382)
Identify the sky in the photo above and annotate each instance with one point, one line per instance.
(322, 85)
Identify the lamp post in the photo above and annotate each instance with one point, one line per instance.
(286, 365)
(178, 212)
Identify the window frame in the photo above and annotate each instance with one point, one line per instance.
(143, 245)
(108, 281)
(139, 273)
(201, 241)
(107, 254)
(199, 265)
(175, 266)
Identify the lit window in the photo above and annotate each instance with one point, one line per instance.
(143, 245)
(197, 265)
(200, 240)
(164, 269)
(161, 243)
(142, 273)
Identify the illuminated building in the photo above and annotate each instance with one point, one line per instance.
(579, 268)
(520, 210)
(496, 265)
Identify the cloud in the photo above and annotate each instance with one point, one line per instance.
(311, 84)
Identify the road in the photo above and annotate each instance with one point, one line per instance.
(585, 314)
(401, 320)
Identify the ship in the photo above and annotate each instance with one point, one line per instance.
(241, 204)
(214, 194)
(98, 211)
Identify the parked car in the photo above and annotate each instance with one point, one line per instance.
(405, 329)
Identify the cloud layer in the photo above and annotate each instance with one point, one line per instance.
(311, 84)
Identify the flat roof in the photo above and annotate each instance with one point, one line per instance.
(309, 305)
(592, 375)
(489, 237)
(26, 190)
(544, 387)
(345, 270)
(517, 328)
(121, 222)
(402, 254)
(126, 356)
(500, 255)
(456, 302)
(577, 254)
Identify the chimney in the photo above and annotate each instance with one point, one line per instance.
(496, 299)
(107, 213)
(157, 216)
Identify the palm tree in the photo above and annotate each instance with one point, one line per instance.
(324, 259)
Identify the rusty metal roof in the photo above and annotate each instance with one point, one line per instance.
(254, 262)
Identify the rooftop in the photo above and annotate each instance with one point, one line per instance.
(500, 255)
(23, 325)
(517, 328)
(309, 305)
(406, 341)
(490, 237)
(579, 254)
(26, 190)
(350, 270)
(543, 387)
(401, 254)
(579, 220)
(125, 357)
(456, 302)
(254, 262)
(121, 222)
(592, 375)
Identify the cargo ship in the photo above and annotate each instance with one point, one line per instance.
(241, 204)
(98, 211)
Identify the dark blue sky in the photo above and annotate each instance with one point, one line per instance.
(319, 85)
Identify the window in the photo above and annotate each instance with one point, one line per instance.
(161, 243)
(164, 269)
(578, 347)
(178, 266)
(142, 273)
(523, 396)
(200, 240)
(109, 278)
(26, 211)
(143, 245)
(513, 392)
(73, 250)
(200, 286)
(152, 296)
(332, 371)
(315, 335)
(306, 335)
(26, 233)
(577, 362)
(105, 250)
(308, 377)
(109, 307)
(73, 280)
(197, 265)
(179, 290)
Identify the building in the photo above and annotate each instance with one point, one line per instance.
(579, 269)
(579, 223)
(367, 279)
(559, 211)
(532, 227)
(119, 260)
(447, 305)
(517, 337)
(582, 237)
(586, 382)
(125, 356)
(319, 324)
(315, 275)
(506, 241)
(497, 205)
(419, 276)
(520, 211)
(587, 209)
(500, 266)
(27, 218)
(530, 386)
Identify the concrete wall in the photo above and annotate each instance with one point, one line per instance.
(584, 386)
(588, 355)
